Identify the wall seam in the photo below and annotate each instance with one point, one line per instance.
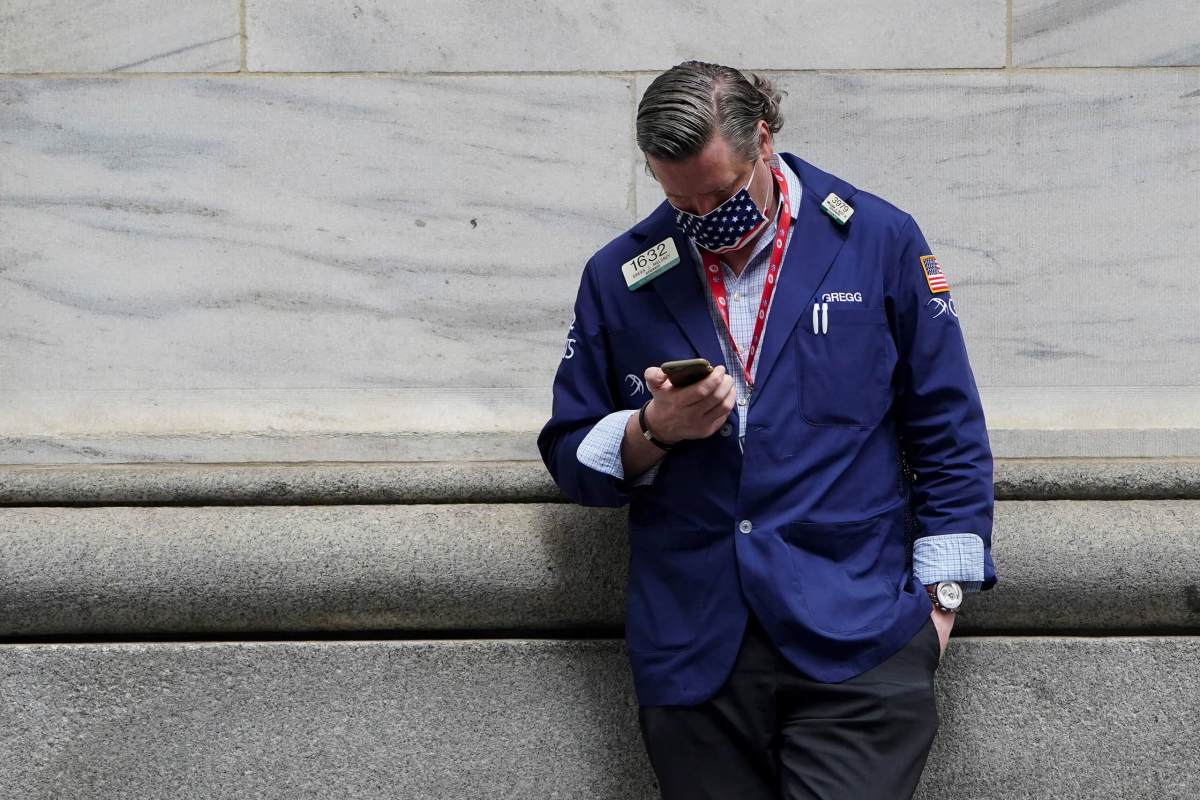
(1050, 70)
(1008, 37)
(242, 31)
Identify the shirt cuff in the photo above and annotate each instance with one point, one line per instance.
(601, 448)
(949, 557)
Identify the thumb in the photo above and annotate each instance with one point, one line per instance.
(655, 378)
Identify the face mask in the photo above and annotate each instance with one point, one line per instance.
(728, 226)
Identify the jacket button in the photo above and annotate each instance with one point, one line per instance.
(726, 429)
(744, 526)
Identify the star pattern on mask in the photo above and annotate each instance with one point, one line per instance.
(725, 226)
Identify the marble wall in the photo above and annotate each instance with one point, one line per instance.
(269, 230)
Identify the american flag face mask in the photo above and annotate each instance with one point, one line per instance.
(728, 226)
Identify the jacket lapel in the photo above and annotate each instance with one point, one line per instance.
(680, 288)
(815, 243)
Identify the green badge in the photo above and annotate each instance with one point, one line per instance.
(837, 208)
(648, 265)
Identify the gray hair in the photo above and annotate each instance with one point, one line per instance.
(683, 106)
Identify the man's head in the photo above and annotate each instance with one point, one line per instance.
(706, 131)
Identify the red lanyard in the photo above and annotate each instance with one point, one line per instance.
(716, 284)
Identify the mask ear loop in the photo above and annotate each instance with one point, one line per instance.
(770, 193)
(752, 173)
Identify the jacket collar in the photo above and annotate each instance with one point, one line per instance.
(816, 241)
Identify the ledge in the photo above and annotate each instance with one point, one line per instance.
(335, 483)
(506, 569)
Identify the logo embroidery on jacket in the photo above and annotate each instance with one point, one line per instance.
(943, 306)
(569, 349)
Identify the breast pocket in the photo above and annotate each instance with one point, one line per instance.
(846, 358)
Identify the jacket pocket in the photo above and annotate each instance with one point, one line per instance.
(846, 358)
(848, 574)
(669, 577)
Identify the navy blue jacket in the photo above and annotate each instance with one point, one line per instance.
(807, 526)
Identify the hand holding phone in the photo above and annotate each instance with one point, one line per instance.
(691, 399)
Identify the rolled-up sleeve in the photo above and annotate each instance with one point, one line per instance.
(601, 448)
(941, 423)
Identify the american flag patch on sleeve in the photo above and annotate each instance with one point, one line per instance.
(934, 275)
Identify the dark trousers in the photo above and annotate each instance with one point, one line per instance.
(770, 733)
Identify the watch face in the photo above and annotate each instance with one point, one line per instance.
(949, 594)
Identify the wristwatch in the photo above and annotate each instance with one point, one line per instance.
(646, 430)
(946, 595)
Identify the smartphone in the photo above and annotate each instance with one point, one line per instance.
(686, 371)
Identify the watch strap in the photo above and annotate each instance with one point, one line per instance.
(649, 437)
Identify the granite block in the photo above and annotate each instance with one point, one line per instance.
(1063, 565)
(1020, 717)
(1112, 33)
(475, 35)
(120, 36)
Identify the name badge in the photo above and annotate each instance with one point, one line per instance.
(837, 208)
(648, 265)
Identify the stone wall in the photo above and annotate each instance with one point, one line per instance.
(278, 231)
(260, 257)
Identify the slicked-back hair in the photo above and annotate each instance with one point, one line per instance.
(682, 108)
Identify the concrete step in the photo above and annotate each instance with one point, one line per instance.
(1021, 717)
(1064, 565)
(502, 482)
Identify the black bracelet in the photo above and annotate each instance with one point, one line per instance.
(646, 431)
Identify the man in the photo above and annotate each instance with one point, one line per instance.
(803, 520)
